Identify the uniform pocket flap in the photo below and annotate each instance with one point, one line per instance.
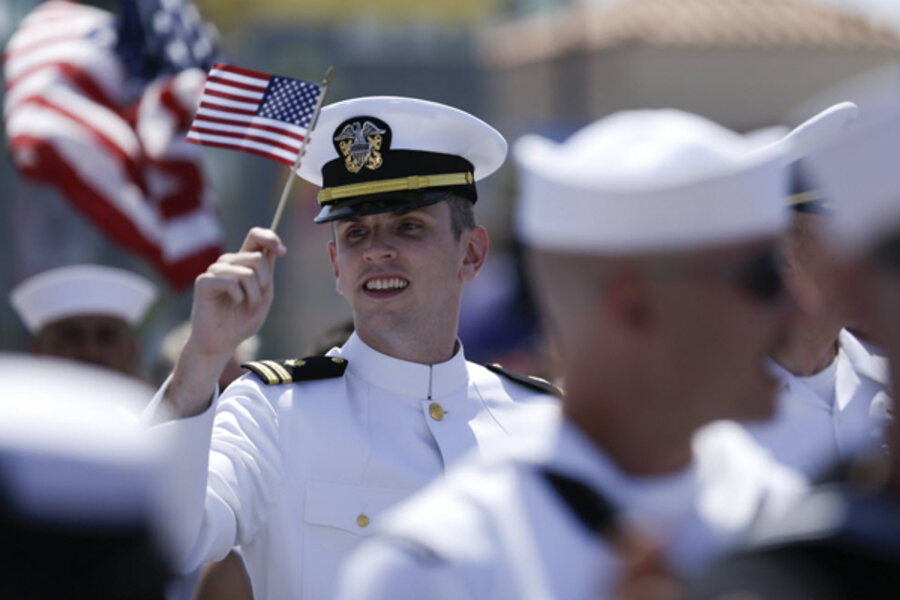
(353, 508)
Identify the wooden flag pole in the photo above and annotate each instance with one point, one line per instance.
(329, 75)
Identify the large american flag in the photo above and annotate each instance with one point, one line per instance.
(116, 153)
(255, 112)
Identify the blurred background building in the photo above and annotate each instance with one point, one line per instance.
(523, 65)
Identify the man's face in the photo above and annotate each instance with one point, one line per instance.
(97, 339)
(719, 320)
(404, 271)
(813, 271)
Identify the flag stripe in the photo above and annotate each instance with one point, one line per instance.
(235, 85)
(261, 130)
(264, 154)
(289, 155)
(118, 151)
(207, 120)
(241, 71)
(269, 124)
(227, 106)
(229, 76)
(262, 137)
(241, 101)
(242, 92)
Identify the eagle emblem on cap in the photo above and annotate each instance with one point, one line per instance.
(360, 143)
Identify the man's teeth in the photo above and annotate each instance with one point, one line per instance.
(386, 284)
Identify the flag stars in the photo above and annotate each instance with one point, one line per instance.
(289, 100)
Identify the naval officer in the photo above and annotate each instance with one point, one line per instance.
(297, 461)
(843, 540)
(833, 388)
(654, 240)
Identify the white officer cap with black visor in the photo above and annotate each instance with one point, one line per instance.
(810, 136)
(386, 153)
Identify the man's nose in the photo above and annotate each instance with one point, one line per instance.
(379, 248)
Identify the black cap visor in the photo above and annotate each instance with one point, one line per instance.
(374, 204)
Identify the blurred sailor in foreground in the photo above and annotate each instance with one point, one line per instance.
(305, 454)
(654, 240)
(833, 388)
(843, 541)
(79, 484)
(86, 313)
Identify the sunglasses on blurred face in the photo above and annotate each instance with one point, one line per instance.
(759, 276)
(887, 254)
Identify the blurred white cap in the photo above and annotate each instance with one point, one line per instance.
(859, 174)
(649, 180)
(82, 290)
(72, 449)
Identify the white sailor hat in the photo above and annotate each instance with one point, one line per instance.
(386, 153)
(82, 290)
(648, 180)
(859, 174)
(72, 447)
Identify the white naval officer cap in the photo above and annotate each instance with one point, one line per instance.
(82, 290)
(858, 173)
(388, 153)
(648, 180)
(811, 135)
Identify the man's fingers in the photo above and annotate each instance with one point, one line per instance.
(263, 240)
(260, 263)
(245, 277)
(208, 284)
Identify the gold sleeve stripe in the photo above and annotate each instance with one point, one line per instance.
(805, 197)
(267, 372)
(279, 370)
(413, 182)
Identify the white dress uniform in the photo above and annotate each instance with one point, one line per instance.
(297, 473)
(818, 426)
(498, 530)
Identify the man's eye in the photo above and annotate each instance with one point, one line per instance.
(409, 226)
(355, 233)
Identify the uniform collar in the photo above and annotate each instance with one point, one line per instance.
(864, 360)
(658, 501)
(403, 377)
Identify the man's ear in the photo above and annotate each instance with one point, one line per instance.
(476, 251)
(628, 301)
(332, 255)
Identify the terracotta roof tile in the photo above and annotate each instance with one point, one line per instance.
(684, 23)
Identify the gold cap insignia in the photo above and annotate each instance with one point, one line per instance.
(360, 142)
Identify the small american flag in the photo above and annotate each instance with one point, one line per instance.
(255, 112)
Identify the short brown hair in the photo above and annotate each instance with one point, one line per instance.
(462, 216)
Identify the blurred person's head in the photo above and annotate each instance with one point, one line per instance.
(654, 238)
(398, 184)
(86, 313)
(858, 174)
(78, 478)
(813, 269)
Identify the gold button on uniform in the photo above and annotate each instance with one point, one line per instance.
(362, 521)
(436, 411)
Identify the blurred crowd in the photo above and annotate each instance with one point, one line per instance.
(675, 384)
